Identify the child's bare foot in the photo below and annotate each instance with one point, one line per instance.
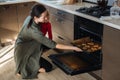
(18, 75)
(42, 70)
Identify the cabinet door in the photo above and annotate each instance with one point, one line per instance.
(8, 17)
(62, 26)
(111, 54)
(62, 23)
(60, 13)
(60, 38)
(23, 11)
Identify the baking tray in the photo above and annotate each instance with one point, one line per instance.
(87, 44)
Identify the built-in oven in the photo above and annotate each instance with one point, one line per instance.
(84, 27)
(87, 36)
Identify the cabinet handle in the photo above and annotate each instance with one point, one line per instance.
(61, 38)
(61, 13)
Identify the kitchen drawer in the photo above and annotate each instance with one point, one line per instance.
(61, 13)
(60, 39)
(62, 26)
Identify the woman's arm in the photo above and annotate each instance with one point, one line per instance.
(67, 47)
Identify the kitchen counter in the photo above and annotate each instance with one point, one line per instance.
(114, 23)
(16, 2)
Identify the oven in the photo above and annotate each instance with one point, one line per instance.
(84, 27)
(73, 62)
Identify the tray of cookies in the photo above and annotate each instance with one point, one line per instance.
(87, 44)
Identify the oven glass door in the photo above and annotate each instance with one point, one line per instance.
(75, 63)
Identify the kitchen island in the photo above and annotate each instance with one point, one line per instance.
(111, 36)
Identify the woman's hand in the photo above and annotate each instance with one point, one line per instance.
(67, 47)
(77, 49)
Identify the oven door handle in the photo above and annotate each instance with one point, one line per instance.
(89, 31)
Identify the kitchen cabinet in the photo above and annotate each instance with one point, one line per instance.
(62, 25)
(13, 15)
(11, 20)
(8, 17)
(8, 23)
(22, 12)
(111, 54)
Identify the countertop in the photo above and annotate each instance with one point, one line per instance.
(114, 23)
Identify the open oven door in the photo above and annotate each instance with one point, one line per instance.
(77, 62)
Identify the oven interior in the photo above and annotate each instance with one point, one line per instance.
(79, 62)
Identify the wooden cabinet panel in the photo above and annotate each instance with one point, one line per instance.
(60, 39)
(23, 11)
(63, 14)
(62, 23)
(111, 54)
(13, 16)
(8, 17)
(62, 26)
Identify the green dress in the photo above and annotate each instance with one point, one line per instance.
(29, 48)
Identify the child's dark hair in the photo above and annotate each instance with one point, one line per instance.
(36, 10)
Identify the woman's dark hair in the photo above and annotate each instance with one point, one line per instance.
(36, 10)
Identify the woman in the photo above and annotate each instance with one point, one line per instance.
(30, 44)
